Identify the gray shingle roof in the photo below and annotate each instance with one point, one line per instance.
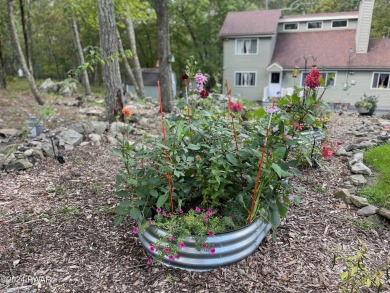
(250, 23)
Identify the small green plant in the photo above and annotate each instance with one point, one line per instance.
(60, 190)
(70, 211)
(367, 223)
(23, 219)
(356, 275)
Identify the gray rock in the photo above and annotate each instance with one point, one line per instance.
(28, 153)
(99, 127)
(358, 180)
(342, 193)
(119, 127)
(360, 168)
(84, 143)
(8, 132)
(367, 211)
(38, 154)
(112, 140)
(384, 213)
(70, 137)
(48, 86)
(68, 89)
(47, 148)
(83, 127)
(356, 158)
(359, 201)
(341, 151)
(95, 138)
(144, 121)
(18, 165)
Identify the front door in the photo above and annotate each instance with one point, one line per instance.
(275, 82)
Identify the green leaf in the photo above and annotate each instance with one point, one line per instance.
(118, 220)
(282, 209)
(260, 113)
(193, 147)
(153, 193)
(122, 193)
(162, 199)
(135, 213)
(274, 217)
(205, 113)
(281, 173)
(125, 204)
(232, 159)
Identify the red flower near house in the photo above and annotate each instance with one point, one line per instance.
(312, 80)
(204, 94)
(235, 107)
(184, 76)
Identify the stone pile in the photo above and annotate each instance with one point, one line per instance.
(368, 133)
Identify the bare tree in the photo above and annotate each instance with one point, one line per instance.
(80, 55)
(133, 47)
(3, 77)
(26, 27)
(109, 47)
(129, 72)
(163, 52)
(19, 53)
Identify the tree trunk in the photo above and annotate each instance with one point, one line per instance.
(26, 22)
(19, 52)
(109, 46)
(80, 55)
(3, 77)
(133, 47)
(129, 72)
(163, 51)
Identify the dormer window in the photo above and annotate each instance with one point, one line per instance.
(290, 26)
(246, 46)
(339, 23)
(314, 25)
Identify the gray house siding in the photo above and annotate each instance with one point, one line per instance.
(256, 63)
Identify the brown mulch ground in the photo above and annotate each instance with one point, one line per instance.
(56, 225)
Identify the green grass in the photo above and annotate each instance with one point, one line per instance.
(379, 159)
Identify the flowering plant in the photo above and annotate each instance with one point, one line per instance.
(213, 159)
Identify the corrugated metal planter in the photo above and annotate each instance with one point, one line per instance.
(230, 247)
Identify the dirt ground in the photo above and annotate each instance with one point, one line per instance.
(57, 232)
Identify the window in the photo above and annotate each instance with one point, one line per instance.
(290, 26)
(380, 80)
(275, 77)
(314, 24)
(328, 76)
(245, 79)
(339, 23)
(246, 46)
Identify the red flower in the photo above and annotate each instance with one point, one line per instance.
(184, 76)
(235, 107)
(204, 94)
(312, 80)
(127, 112)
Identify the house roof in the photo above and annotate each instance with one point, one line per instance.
(245, 23)
(320, 16)
(331, 50)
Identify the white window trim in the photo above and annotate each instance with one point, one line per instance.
(245, 71)
(378, 88)
(302, 83)
(244, 54)
(316, 28)
(287, 30)
(340, 27)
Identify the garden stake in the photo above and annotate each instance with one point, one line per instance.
(166, 151)
(260, 167)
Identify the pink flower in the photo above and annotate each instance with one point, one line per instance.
(158, 210)
(200, 78)
(212, 250)
(230, 217)
(205, 219)
(181, 245)
(171, 257)
(177, 256)
(204, 245)
(166, 249)
(271, 110)
(173, 238)
(164, 213)
(135, 230)
(209, 212)
(150, 261)
(151, 248)
(312, 80)
(275, 129)
(180, 211)
(168, 239)
(197, 209)
(211, 233)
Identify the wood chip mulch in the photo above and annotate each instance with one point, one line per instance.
(57, 234)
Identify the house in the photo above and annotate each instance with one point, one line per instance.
(150, 77)
(262, 48)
